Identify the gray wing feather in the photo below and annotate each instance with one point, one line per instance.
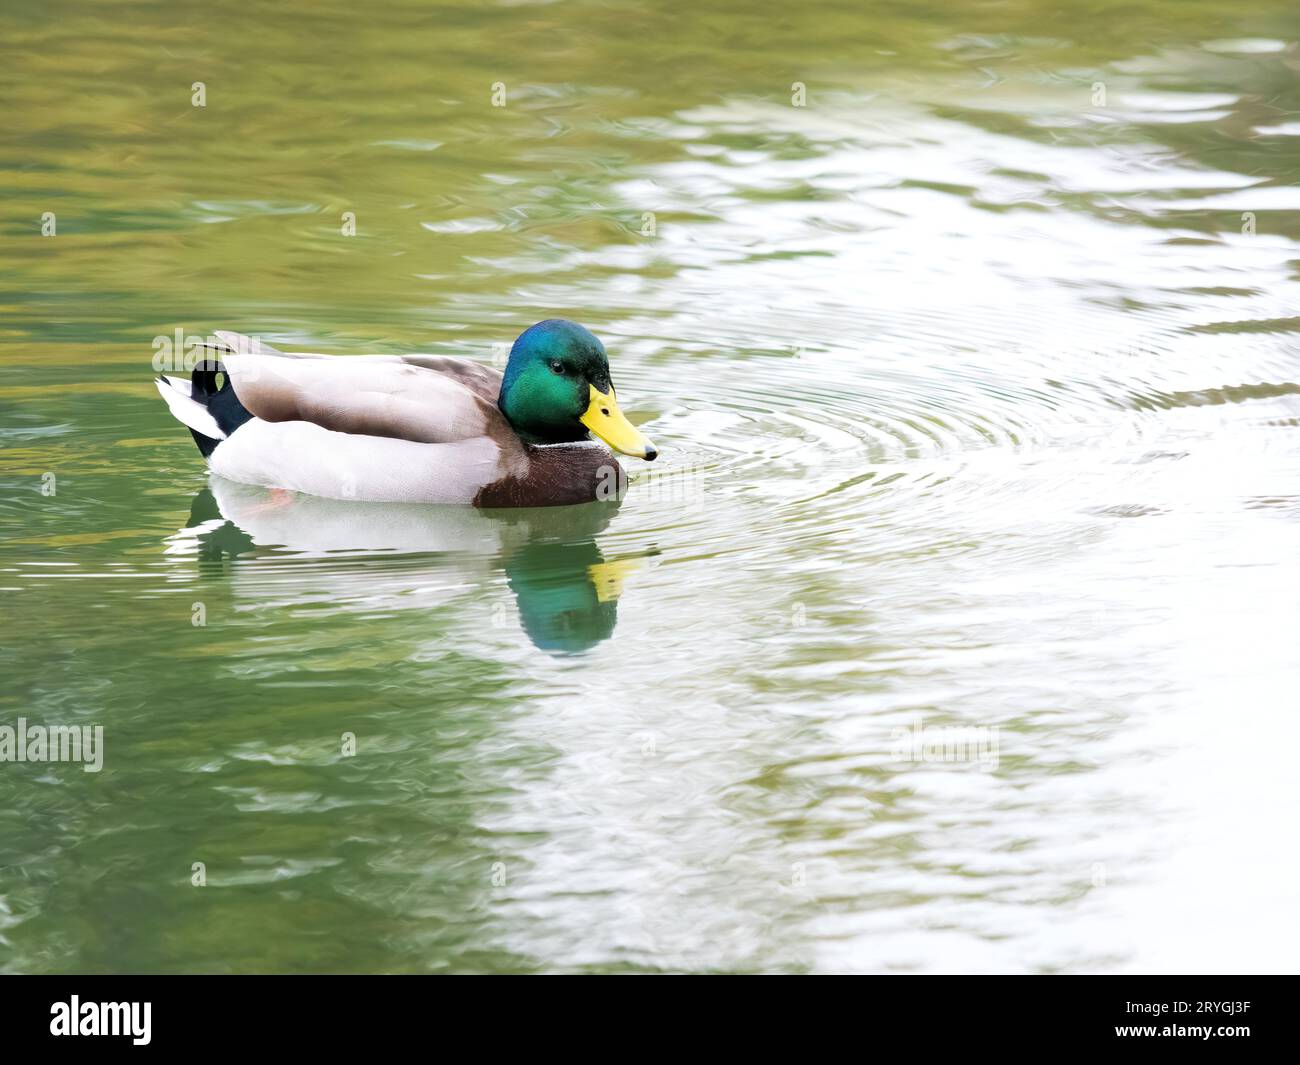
(423, 398)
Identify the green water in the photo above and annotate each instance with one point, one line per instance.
(975, 383)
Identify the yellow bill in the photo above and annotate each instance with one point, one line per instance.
(608, 577)
(609, 423)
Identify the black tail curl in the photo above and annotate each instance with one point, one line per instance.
(220, 401)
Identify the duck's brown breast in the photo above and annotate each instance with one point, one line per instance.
(557, 475)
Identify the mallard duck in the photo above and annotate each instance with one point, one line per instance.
(414, 428)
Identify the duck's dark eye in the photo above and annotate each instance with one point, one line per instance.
(557, 366)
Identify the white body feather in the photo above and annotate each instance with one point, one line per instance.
(303, 457)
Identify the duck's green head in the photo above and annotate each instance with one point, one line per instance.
(557, 389)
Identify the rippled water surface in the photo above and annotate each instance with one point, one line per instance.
(977, 388)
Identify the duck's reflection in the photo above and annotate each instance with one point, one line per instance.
(565, 589)
(567, 594)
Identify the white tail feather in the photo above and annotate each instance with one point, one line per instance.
(180, 384)
(186, 410)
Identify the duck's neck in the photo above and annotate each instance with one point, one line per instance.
(537, 422)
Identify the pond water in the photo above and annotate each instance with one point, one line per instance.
(954, 629)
